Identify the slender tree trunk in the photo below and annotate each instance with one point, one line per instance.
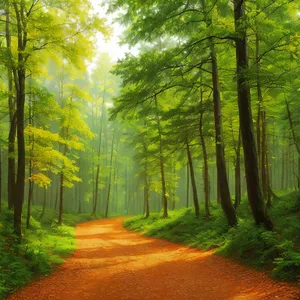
(110, 176)
(146, 196)
(126, 191)
(11, 188)
(259, 103)
(187, 185)
(173, 186)
(193, 180)
(30, 188)
(79, 200)
(61, 189)
(255, 195)
(19, 78)
(205, 162)
(61, 199)
(226, 203)
(238, 189)
(98, 165)
(56, 195)
(44, 204)
(20, 186)
(282, 169)
(29, 202)
(162, 167)
(263, 157)
(11, 183)
(287, 164)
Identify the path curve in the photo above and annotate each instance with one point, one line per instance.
(114, 264)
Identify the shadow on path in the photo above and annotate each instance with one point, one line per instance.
(114, 264)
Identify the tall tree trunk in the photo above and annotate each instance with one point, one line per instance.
(265, 161)
(126, 191)
(44, 203)
(110, 176)
(193, 180)
(162, 167)
(259, 102)
(61, 199)
(226, 203)
(11, 183)
(287, 164)
(205, 161)
(19, 78)
(255, 195)
(263, 156)
(30, 188)
(79, 199)
(11, 187)
(61, 190)
(282, 169)
(146, 196)
(98, 164)
(238, 189)
(56, 195)
(18, 203)
(30, 193)
(187, 185)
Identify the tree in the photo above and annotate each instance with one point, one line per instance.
(255, 195)
(37, 27)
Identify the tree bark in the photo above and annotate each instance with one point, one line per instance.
(61, 199)
(255, 195)
(193, 180)
(61, 191)
(187, 185)
(146, 196)
(44, 204)
(30, 188)
(11, 187)
(98, 165)
(205, 161)
(110, 176)
(162, 167)
(263, 156)
(226, 203)
(238, 189)
(282, 169)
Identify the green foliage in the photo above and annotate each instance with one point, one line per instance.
(277, 250)
(45, 244)
(288, 262)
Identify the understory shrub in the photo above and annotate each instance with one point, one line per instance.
(43, 246)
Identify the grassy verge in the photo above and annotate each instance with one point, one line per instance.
(44, 245)
(277, 251)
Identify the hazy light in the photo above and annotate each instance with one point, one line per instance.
(109, 105)
(111, 46)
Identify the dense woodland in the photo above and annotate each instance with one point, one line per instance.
(206, 114)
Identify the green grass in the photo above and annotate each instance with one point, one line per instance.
(277, 252)
(43, 246)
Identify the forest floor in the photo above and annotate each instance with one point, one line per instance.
(111, 263)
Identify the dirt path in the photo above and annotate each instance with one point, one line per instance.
(114, 264)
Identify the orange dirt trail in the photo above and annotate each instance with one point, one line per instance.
(114, 264)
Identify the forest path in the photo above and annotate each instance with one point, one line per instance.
(114, 264)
